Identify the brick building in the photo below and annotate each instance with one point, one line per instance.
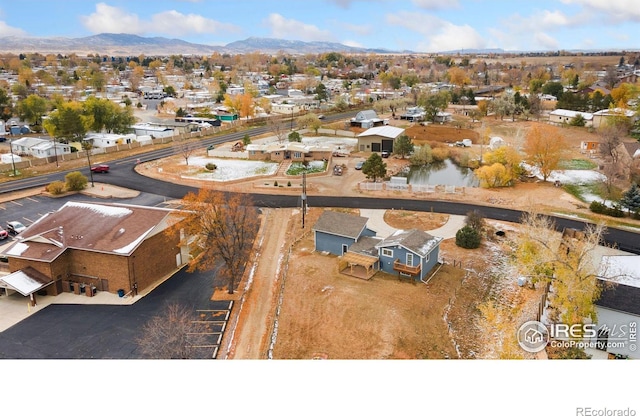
(86, 247)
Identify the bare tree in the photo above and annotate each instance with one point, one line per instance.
(218, 226)
(171, 335)
(610, 141)
(277, 128)
(185, 148)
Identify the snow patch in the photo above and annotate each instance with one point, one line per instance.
(104, 210)
(232, 169)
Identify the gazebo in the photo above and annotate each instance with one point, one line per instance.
(358, 265)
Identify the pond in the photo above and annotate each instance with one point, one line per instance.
(441, 173)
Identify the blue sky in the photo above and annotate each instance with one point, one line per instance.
(417, 25)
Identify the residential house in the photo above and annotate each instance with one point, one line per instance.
(40, 148)
(153, 130)
(378, 139)
(335, 232)
(561, 116)
(64, 251)
(109, 139)
(293, 151)
(413, 114)
(412, 253)
(618, 308)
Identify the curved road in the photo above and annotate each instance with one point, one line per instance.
(126, 176)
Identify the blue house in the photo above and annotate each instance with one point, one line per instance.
(412, 253)
(335, 232)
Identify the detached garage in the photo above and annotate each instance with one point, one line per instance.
(379, 139)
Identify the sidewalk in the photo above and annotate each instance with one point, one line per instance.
(15, 307)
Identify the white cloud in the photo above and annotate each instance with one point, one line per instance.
(613, 11)
(180, 24)
(435, 4)
(108, 19)
(454, 37)
(440, 35)
(544, 41)
(6, 30)
(293, 29)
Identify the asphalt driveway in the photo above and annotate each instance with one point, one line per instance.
(106, 331)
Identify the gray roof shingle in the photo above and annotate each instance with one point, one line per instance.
(340, 223)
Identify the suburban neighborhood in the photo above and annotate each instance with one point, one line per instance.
(547, 136)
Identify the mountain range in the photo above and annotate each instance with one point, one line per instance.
(121, 44)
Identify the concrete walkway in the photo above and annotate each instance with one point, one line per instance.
(450, 228)
(376, 223)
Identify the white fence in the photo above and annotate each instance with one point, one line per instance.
(417, 189)
(371, 186)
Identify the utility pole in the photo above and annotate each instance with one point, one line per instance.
(13, 157)
(304, 196)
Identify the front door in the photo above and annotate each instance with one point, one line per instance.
(409, 259)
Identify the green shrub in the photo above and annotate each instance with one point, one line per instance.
(56, 188)
(600, 208)
(75, 181)
(294, 136)
(275, 183)
(289, 183)
(211, 166)
(467, 237)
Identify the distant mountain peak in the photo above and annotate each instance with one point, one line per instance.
(129, 44)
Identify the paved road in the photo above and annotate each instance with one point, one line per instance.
(100, 331)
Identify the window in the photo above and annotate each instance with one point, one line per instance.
(387, 252)
(297, 155)
(409, 259)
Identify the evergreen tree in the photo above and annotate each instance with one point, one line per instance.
(403, 146)
(631, 199)
(374, 167)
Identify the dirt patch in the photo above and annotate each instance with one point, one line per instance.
(340, 317)
(402, 219)
(440, 133)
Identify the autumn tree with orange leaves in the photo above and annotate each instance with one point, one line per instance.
(544, 148)
(218, 226)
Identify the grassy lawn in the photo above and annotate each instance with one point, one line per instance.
(577, 164)
(297, 168)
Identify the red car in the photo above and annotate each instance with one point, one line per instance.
(100, 168)
(3, 233)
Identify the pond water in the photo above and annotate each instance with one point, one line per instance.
(441, 173)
